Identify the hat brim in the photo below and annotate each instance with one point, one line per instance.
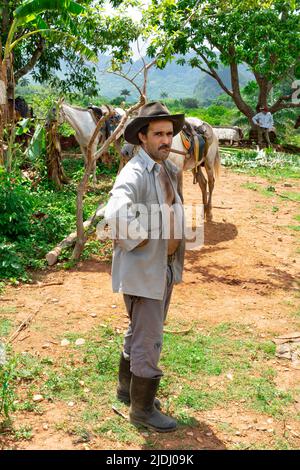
(134, 127)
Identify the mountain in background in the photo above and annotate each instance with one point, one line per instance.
(177, 81)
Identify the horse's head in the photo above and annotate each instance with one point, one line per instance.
(56, 113)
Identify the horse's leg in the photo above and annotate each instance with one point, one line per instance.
(203, 184)
(211, 184)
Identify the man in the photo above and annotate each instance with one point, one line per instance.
(148, 257)
(264, 121)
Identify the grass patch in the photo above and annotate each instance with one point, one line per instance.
(5, 327)
(294, 227)
(119, 430)
(292, 196)
(24, 433)
(274, 166)
(252, 186)
(202, 372)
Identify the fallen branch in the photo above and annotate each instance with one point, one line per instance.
(70, 240)
(120, 413)
(46, 284)
(24, 337)
(22, 327)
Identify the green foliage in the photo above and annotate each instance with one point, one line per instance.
(261, 35)
(11, 265)
(189, 103)
(7, 385)
(84, 30)
(15, 207)
(35, 217)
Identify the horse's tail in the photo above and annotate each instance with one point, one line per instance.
(217, 163)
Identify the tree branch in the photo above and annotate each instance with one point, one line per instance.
(81, 239)
(278, 105)
(206, 71)
(213, 72)
(30, 65)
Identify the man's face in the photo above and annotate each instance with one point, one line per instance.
(158, 140)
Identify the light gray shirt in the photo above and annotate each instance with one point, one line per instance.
(264, 120)
(135, 212)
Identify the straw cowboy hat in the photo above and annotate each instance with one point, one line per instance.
(154, 111)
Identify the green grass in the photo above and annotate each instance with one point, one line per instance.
(292, 196)
(203, 371)
(273, 166)
(24, 433)
(5, 327)
(252, 186)
(273, 175)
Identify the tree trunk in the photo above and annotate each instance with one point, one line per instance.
(81, 237)
(53, 156)
(236, 93)
(3, 106)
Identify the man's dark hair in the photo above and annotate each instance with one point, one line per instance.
(144, 130)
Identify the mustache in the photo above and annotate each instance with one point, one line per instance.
(167, 147)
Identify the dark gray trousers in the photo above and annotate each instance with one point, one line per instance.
(144, 337)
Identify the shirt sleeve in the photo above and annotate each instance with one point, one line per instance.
(121, 214)
(255, 119)
(271, 120)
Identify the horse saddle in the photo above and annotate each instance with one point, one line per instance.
(194, 142)
(98, 112)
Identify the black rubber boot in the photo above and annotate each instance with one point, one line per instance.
(124, 383)
(142, 410)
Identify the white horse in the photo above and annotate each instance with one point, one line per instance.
(211, 161)
(84, 122)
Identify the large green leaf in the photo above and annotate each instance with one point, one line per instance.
(30, 9)
(72, 41)
(37, 144)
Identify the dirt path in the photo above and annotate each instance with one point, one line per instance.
(246, 273)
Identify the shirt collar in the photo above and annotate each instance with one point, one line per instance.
(149, 163)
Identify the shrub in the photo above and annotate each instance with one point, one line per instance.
(15, 207)
(11, 265)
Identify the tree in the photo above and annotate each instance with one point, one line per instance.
(35, 35)
(164, 95)
(262, 35)
(125, 93)
(27, 14)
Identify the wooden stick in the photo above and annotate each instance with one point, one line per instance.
(179, 152)
(23, 325)
(46, 284)
(120, 413)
